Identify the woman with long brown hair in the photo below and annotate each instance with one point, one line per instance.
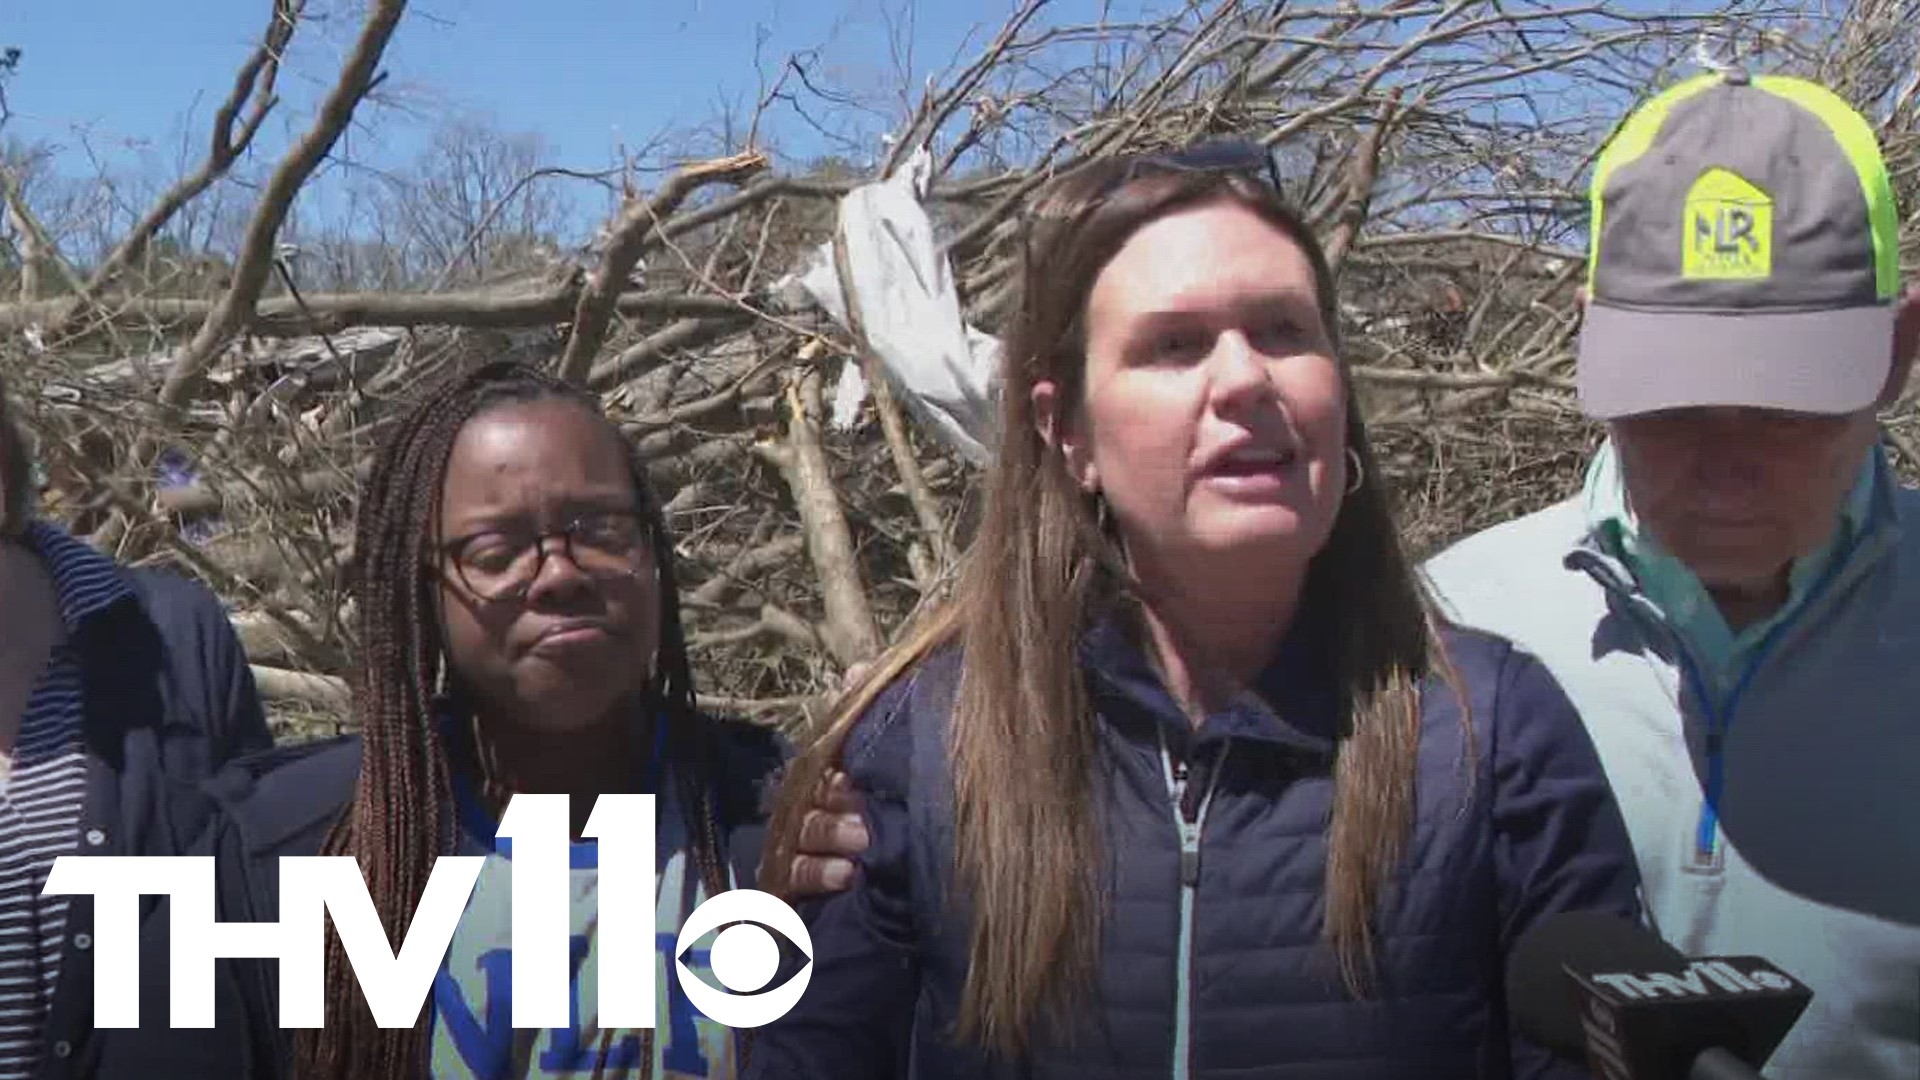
(1188, 779)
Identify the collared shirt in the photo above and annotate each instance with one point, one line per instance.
(42, 797)
(1679, 593)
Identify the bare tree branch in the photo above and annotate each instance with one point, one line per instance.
(331, 313)
(253, 89)
(357, 77)
(1438, 146)
(850, 631)
(1363, 175)
(630, 234)
(33, 235)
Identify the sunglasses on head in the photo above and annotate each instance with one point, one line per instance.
(1218, 156)
(1240, 156)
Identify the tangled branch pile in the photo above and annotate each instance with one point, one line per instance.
(1439, 145)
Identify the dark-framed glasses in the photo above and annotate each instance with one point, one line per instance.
(503, 563)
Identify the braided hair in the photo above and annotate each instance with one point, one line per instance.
(402, 817)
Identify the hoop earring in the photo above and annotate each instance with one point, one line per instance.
(443, 683)
(1356, 471)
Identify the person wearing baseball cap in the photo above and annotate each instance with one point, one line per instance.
(1746, 254)
(1733, 600)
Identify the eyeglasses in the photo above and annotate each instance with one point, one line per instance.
(502, 564)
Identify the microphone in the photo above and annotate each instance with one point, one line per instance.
(1588, 985)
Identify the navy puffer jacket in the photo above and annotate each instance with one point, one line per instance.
(1213, 967)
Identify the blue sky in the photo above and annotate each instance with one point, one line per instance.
(126, 80)
(582, 72)
(131, 85)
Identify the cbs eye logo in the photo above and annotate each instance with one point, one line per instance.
(744, 957)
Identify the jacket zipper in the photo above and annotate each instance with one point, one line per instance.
(1175, 772)
(1720, 710)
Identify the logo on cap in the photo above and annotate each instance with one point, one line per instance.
(1728, 229)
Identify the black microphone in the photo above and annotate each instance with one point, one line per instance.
(1592, 986)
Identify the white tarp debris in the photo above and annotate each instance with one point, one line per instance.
(848, 395)
(908, 310)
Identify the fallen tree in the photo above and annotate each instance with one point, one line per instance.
(1439, 148)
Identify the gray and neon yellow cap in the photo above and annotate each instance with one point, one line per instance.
(1744, 252)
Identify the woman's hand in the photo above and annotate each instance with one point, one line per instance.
(832, 835)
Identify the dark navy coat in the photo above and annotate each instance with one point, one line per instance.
(169, 700)
(1514, 822)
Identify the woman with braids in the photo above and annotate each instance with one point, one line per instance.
(519, 632)
(1188, 780)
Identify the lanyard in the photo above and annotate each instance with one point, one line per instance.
(1719, 719)
(1720, 714)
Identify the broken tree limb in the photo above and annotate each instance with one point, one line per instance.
(279, 686)
(204, 497)
(774, 622)
(265, 640)
(630, 233)
(333, 313)
(38, 247)
(771, 187)
(731, 396)
(689, 449)
(216, 575)
(231, 315)
(30, 251)
(746, 566)
(644, 355)
(935, 111)
(1447, 380)
(850, 631)
(1361, 178)
(765, 711)
(926, 508)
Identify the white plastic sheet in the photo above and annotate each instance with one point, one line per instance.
(905, 305)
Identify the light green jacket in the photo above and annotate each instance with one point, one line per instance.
(1815, 856)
